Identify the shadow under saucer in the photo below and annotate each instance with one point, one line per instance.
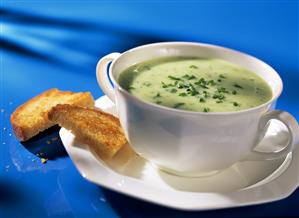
(245, 183)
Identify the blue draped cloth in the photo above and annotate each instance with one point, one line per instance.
(46, 44)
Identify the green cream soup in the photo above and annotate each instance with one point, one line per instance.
(195, 84)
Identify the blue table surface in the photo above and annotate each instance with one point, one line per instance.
(46, 44)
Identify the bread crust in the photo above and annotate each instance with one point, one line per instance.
(20, 123)
(99, 130)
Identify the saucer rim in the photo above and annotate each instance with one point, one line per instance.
(286, 185)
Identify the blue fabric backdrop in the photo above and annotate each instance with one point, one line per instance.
(46, 44)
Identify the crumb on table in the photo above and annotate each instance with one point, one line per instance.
(43, 160)
(54, 139)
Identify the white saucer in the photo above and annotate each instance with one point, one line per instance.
(245, 183)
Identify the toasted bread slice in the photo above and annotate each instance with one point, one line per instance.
(100, 131)
(31, 118)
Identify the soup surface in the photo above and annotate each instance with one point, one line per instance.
(195, 84)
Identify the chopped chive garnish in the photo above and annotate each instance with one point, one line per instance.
(173, 90)
(222, 89)
(194, 92)
(178, 104)
(147, 84)
(219, 96)
(158, 102)
(206, 94)
(188, 77)
(236, 104)
(173, 78)
(164, 85)
(193, 67)
(238, 86)
(131, 87)
(191, 77)
(211, 82)
(194, 88)
(219, 80)
(180, 85)
(158, 95)
(202, 83)
(191, 90)
(206, 109)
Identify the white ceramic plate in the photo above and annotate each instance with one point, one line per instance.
(245, 183)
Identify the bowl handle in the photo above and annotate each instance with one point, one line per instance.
(102, 74)
(290, 122)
